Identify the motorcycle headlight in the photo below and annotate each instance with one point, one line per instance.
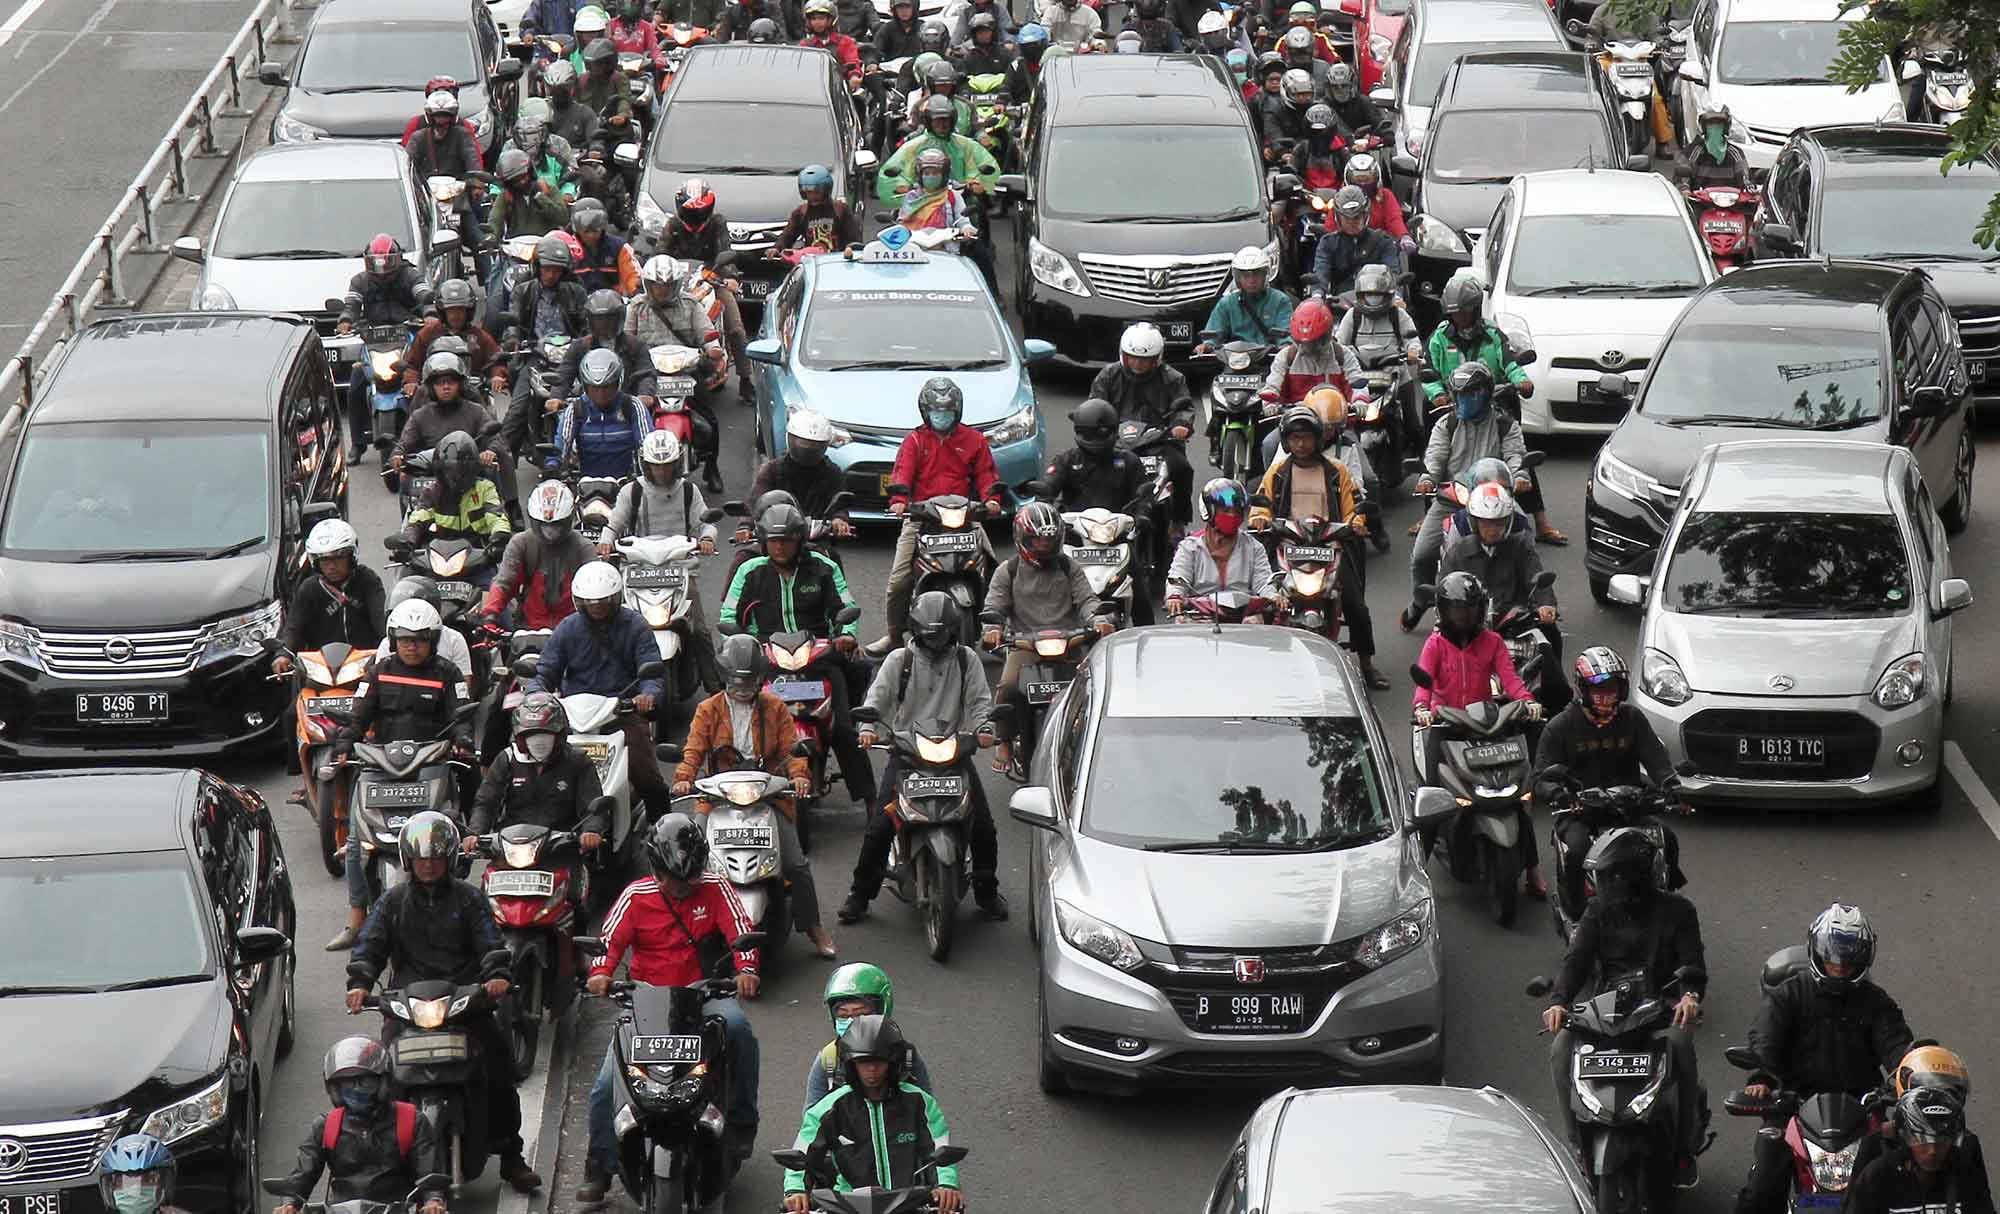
(1902, 683)
(428, 1013)
(20, 644)
(315, 670)
(519, 855)
(658, 615)
(1101, 533)
(1660, 677)
(214, 298)
(190, 1115)
(648, 215)
(1308, 583)
(744, 792)
(685, 1090)
(1094, 937)
(1394, 938)
(1622, 478)
(356, 667)
(1052, 269)
(242, 635)
(449, 566)
(952, 518)
(1051, 647)
(1016, 427)
(937, 750)
(1832, 1170)
(1436, 237)
(1236, 360)
(290, 130)
(792, 659)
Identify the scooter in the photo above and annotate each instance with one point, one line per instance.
(596, 498)
(535, 880)
(1527, 644)
(390, 782)
(433, 1183)
(1483, 761)
(987, 92)
(434, 1063)
(659, 579)
(389, 404)
(1233, 399)
(1946, 96)
(675, 385)
(1057, 652)
(1379, 422)
(1148, 443)
(459, 566)
(541, 364)
(1633, 805)
(950, 555)
(827, 1198)
(1723, 215)
(799, 662)
(742, 825)
(1630, 66)
(675, 43)
(326, 681)
(1310, 552)
(1105, 545)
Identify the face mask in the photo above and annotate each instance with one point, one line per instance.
(932, 181)
(941, 420)
(743, 695)
(1470, 408)
(138, 1199)
(1228, 524)
(540, 746)
(1715, 139)
(552, 533)
(359, 1097)
(840, 1024)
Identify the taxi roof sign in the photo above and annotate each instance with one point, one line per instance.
(891, 246)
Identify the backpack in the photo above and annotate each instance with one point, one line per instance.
(406, 1128)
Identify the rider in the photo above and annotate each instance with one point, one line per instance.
(550, 304)
(553, 158)
(540, 561)
(1219, 557)
(527, 205)
(1473, 431)
(663, 502)
(898, 37)
(1148, 19)
(1036, 588)
(633, 34)
(820, 221)
(879, 1127)
(605, 89)
(739, 15)
(1255, 311)
(457, 316)
(450, 645)
(373, 1146)
(805, 472)
(972, 166)
(387, 291)
(656, 920)
(1143, 388)
(1379, 330)
(1462, 658)
(669, 315)
(1937, 1166)
(540, 780)
(569, 120)
(1072, 24)
(442, 146)
(1283, 114)
(1351, 244)
(1505, 560)
(820, 17)
(987, 54)
(1713, 160)
(448, 84)
(698, 233)
(136, 1173)
(461, 503)
(604, 319)
(450, 409)
(745, 726)
(854, 990)
(340, 604)
(608, 262)
(600, 432)
(1385, 213)
(1634, 929)
(1314, 359)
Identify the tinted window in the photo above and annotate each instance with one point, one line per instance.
(1904, 218)
(1777, 52)
(1777, 375)
(1434, 59)
(1192, 172)
(385, 57)
(743, 137)
(278, 219)
(1788, 566)
(1603, 254)
(946, 330)
(101, 921)
(1494, 145)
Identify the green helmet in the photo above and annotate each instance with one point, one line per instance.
(859, 980)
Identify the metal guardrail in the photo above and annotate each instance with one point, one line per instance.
(98, 280)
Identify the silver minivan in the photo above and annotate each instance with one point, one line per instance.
(1797, 641)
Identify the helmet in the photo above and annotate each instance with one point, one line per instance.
(1031, 34)
(355, 1070)
(1212, 22)
(601, 368)
(559, 73)
(1461, 603)
(1374, 287)
(1297, 85)
(457, 460)
(1620, 865)
(934, 36)
(660, 449)
(1319, 117)
(442, 104)
(741, 659)
(819, 8)
(1328, 405)
(1095, 423)
(1037, 533)
(427, 836)
(1269, 62)
(858, 980)
(677, 848)
(1840, 935)
(873, 1039)
(1303, 419)
(1311, 322)
(1933, 1066)
(1340, 82)
(138, 1163)
(940, 396)
(1250, 259)
(937, 105)
(413, 588)
(604, 301)
(451, 343)
(553, 250)
(932, 159)
(1303, 10)
(1462, 294)
(1350, 203)
(763, 29)
(1924, 1115)
(590, 19)
(934, 621)
(941, 72)
(1298, 38)
(1472, 382)
(1712, 114)
(443, 363)
(1222, 496)
(1491, 502)
(448, 83)
(588, 218)
(1142, 340)
(985, 21)
(540, 712)
(331, 537)
(807, 436)
(596, 582)
(454, 293)
(551, 509)
(1600, 666)
(531, 131)
(665, 270)
(384, 256)
(781, 521)
(694, 202)
(1362, 170)
(414, 620)
(770, 498)
(598, 50)
(815, 177)
(1489, 471)
(513, 165)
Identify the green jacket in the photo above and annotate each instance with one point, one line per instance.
(536, 215)
(969, 162)
(875, 1143)
(1445, 355)
(763, 602)
(480, 515)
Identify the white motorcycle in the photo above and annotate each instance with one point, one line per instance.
(743, 837)
(1104, 543)
(1630, 66)
(659, 578)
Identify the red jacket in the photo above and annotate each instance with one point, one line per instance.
(1462, 677)
(1387, 214)
(842, 47)
(938, 464)
(411, 129)
(638, 39)
(643, 923)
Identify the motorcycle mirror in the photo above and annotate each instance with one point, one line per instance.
(1425, 596)
(746, 941)
(1912, 69)
(1261, 501)
(526, 665)
(1033, 488)
(847, 615)
(590, 946)
(711, 515)
(727, 630)
(1002, 714)
(791, 1159)
(945, 1157)
(332, 304)
(992, 619)
(652, 670)
(865, 715)
(1419, 675)
(735, 509)
(1539, 987)
(1430, 376)
(1556, 773)
(667, 752)
(465, 711)
(276, 1186)
(604, 805)
(1413, 467)
(1742, 1057)
(1575, 28)
(839, 502)
(1545, 579)
(432, 1182)
(1685, 768)
(802, 750)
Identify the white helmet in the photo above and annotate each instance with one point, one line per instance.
(551, 502)
(444, 101)
(596, 582)
(331, 538)
(415, 619)
(590, 19)
(663, 269)
(1142, 340)
(1490, 501)
(809, 426)
(1250, 259)
(1212, 22)
(660, 447)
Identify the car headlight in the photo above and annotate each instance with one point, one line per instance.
(242, 635)
(1273, 250)
(20, 644)
(1902, 683)
(650, 218)
(1738, 133)
(290, 130)
(1660, 676)
(214, 298)
(1622, 478)
(1515, 329)
(192, 1114)
(1017, 427)
(1052, 269)
(519, 855)
(1832, 1170)
(1435, 236)
(1379, 48)
(482, 127)
(1394, 938)
(937, 750)
(1095, 937)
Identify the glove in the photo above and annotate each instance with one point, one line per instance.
(1407, 244)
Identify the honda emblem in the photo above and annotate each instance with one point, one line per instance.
(1249, 970)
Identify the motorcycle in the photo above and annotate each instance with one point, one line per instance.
(535, 880)
(452, 561)
(1233, 397)
(434, 1064)
(799, 662)
(826, 1198)
(675, 42)
(325, 681)
(1483, 761)
(1388, 372)
(1105, 544)
(435, 1182)
(1723, 215)
(596, 498)
(390, 782)
(883, 121)
(1057, 654)
(639, 80)
(1528, 646)
(1148, 443)
(950, 556)
(541, 365)
(1946, 96)
(1309, 555)
(743, 843)
(1633, 805)
(388, 403)
(1631, 68)
(658, 582)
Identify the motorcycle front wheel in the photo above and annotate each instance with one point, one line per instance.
(331, 805)
(1618, 1192)
(1235, 454)
(665, 1194)
(937, 901)
(525, 1031)
(1503, 881)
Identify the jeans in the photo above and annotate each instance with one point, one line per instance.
(872, 864)
(359, 405)
(1687, 1085)
(855, 769)
(1427, 547)
(792, 862)
(357, 874)
(603, 1156)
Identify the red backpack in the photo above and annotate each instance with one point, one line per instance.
(406, 1128)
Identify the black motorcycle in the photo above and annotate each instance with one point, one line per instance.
(434, 1183)
(950, 555)
(1640, 807)
(821, 1177)
(434, 1062)
(1054, 655)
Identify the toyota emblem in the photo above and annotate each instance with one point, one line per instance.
(119, 650)
(1158, 279)
(1781, 682)
(13, 1156)
(1613, 359)
(1249, 970)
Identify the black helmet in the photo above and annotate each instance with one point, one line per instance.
(941, 72)
(600, 368)
(936, 106)
(763, 29)
(1924, 1115)
(1319, 118)
(677, 848)
(934, 36)
(1840, 935)
(1095, 422)
(1600, 666)
(770, 498)
(604, 302)
(1620, 865)
(457, 462)
(934, 621)
(541, 712)
(552, 249)
(427, 836)
(454, 293)
(1461, 604)
(415, 586)
(513, 166)
(940, 393)
(587, 215)
(1149, 10)
(873, 1039)
(741, 658)
(781, 522)
(600, 50)
(1302, 419)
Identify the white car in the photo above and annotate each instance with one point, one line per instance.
(1589, 270)
(1767, 61)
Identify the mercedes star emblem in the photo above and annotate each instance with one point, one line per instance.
(119, 650)
(1781, 682)
(1613, 359)
(1158, 279)
(13, 1156)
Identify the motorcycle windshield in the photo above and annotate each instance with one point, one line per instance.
(661, 1011)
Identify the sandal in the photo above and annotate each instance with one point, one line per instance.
(1001, 766)
(1553, 537)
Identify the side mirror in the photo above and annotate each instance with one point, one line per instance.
(1534, 459)
(1780, 234)
(188, 248)
(626, 155)
(1035, 351)
(1284, 185)
(1545, 579)
(318, 512)
(465, 712)
(509, 68)
(445, 241)
(272, 72)
(1555, 773)
(526, 665)
(864, 715)
(590, 946)
(945, 1157)
(1912, 69)
(652, 670)
(790, 1159)
(1626, 588)
(1614, 383)
(1954, 595)
(735, 509)
(667, 752)
(1638, 162)
(1693, 72)
(1928, 401)
(256, 945)
(847, 615)
(1015, 184)
(802, 750)
(1261, 501)
(1383, 96)
(764, 350)
(1419, 675)
(746, 942)
(1404, 163)
(864, 160)
(711, 515)
(1430, 806)
(1686, 769)
(1539, 987)
(604, 805)
(1032, 489)
(1742, 1057)
(1525, 356)
(1034, 806)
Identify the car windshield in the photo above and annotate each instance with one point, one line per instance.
(68, 936)
(1603, 255)
(103, 491)
(743, 137)
(1434, 59)
(1193, 173)
(1777, 52)
(1245, 783)
(1392, 8)
(385, 56)
(1494, 145)
(1773, 375)
(1800, 565)
(902, 330)
(1903, 219)
(312, 218)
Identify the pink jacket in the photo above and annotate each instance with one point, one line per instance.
(1461, 677)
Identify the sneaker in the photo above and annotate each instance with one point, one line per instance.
(355, 452)
(1406, 621)
(880, 647)
(515, 1171)
(992, 904)
(739, 1138)
(854, 910)
(1687, 1172)
(593, 1189)
(342, 942)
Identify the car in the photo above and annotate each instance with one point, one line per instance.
(1797, 639)
(855, 339)
(360, 73)
(1422, 1150)
(1376, 24)
(1501, 113)
(152, 523)
(1190, 925)
(1142, 178)
(167, 1018)
(1777, 349)
(748, 118)
(1767, 60)
(1433, 37)
(1874, 192)
(1588, 269)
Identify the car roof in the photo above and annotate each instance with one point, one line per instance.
(184, 366)
(1125, 90)
(1829, 293)
(1542, 78)
(326, 160)
(402, 12)
(1458, 21)
(1892, 149)
(781, 75)
(129, 809)
(1241, 670)
(1786, 10)
(943, 272)
(1603, 192)
(1798, 476)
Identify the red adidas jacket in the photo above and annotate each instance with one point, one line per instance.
(660, 933)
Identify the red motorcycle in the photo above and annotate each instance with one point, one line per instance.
(1309, 552)
(799, 662)
(1723, 215)
(535, 881)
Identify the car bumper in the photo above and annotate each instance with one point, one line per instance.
(1862, 741)
(1396, 1012)
(1086, 329)
(1565, 399)
(228, 706)
(866, 462)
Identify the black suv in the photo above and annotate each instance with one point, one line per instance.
(1855, 349)
(153, 508)
(1874, 192)
(148, 983)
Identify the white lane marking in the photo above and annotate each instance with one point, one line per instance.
(21, 17)
(1974, 788)
(13, 23)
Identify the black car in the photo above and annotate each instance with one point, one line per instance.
(361, 71)
(1143, 177)
(1787, 347)
(149, 984)
(153, 510)
(1874, 192)
(748, 118)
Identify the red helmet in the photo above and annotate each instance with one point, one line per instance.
(1038, 533)
(448, 83)
(1311, 321)
(383, 257)
(694, 202)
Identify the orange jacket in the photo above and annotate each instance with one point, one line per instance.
(775, 736)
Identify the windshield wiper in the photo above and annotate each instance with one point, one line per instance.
(46, 990)
(360, 88)
(1842, 423)
(886, 364)
(970, 364)
(275, 254)
(146, 984)
(145, 554)
(1727, 419)
(1632, 288)
(1220, 216)
(740, 170)
(240, 546)
(1786, 80)
(1138, 219)
(1227, 847)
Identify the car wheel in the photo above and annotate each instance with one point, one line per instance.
(1958, 511)
(1600, 589)
(288, 1014)
(1049, 1073)
(245, 1187)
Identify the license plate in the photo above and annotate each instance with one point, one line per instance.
(805, 691)
(1308, 554)
(678, 385)
(1264, 1012)
(1152, 464)
(1782, 752)
(1634, 69)
(948, 541)
(1975, 370)
(1948, 81)
(1587, 394)
(882, 483)
(741, 836)
(333, 705)
(458, 591)
(1234, 382)
(1731, 226)
(121, 707)
(1492, 754)
(655, 577)
(520, 883)
(952, 785)
(1042, 693)
(655, 1051)
(1820, 1201)
(1097, 556)
(385, 793)
(1179, 330)
(756, 288)
(1615, 1066)
(31, 1203)
(598, 753)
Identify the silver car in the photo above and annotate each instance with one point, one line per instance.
(1225, 882)
(1797, 643)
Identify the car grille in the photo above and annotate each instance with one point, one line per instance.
(1156, 282)
(1978, 333)
(1197, 1064)
(160, 654)
(1769, 136)
(1710, 738)
(1185, 975)
(1631, 366)
(61, 1151)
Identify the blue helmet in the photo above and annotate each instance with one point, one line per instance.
(1032, 34)
(815, 177)
(136, 1155)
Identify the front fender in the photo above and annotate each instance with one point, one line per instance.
(943, 842)
(1502, 830)
(669, 641)
(1616, 1149)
